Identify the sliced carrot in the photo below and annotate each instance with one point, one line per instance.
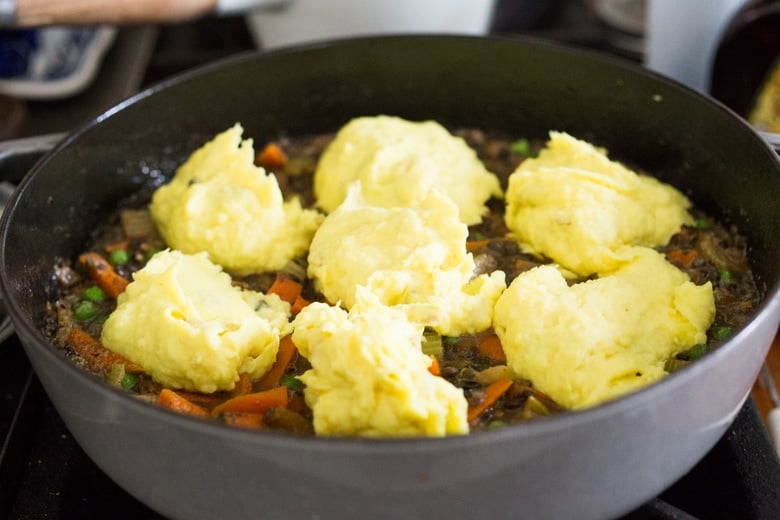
(298, 305)
(98, 357)
(434, 368)
(243, 385)
(492, 393)
(272, 156)
(490, 347)
(178, 403)
(243, 419)
(256, 402)
(284, 357)
(297, 403)
(287, 288)
(473, 246)
(116, 246)
(103, 273)
(681, 257)
(207, 401)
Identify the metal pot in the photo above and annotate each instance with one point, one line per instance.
(597, 463)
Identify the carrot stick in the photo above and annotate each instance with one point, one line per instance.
(243, 385)
(116, 246)
(173, 401)
(103, 273)
(490, 347)
(284, 357)
(434, 368)
(98, 357)
(492, 393)
(288, 289)
(298, 305)
(244, 419)
(257, 402)
(475, 245)
(272, 156)
(207, 401)
(682, 258)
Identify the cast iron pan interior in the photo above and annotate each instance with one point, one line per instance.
(526, 88)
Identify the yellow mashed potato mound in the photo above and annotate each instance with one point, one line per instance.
(601, 338)
(391, 259)
(398, 162)
(411, 258)
(369, 376)
(221, 203)
(184, 322)
(574, 205)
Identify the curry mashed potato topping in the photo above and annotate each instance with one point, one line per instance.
(221, 203)
(184, 322)
(601, 338)
(413, 258)
(398, 162)
(574, 205)
(369, 376)
(390, 258)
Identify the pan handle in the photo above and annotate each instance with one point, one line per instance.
(227, 7)
(28, 145)
(771, 138)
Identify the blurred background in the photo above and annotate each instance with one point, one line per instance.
(53, 79)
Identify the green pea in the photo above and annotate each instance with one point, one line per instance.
(722, 332)
(128, 381)
(521, 147)
(292, 382)
(702, 223)
(94, 294)
(84, 310)
(119, 257)
(724, 274)
(697, 351)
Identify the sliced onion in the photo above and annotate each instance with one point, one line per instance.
(137, 223)
(432, 344)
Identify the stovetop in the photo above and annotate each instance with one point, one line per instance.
(45, 474)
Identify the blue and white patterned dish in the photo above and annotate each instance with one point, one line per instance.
(51, 62)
